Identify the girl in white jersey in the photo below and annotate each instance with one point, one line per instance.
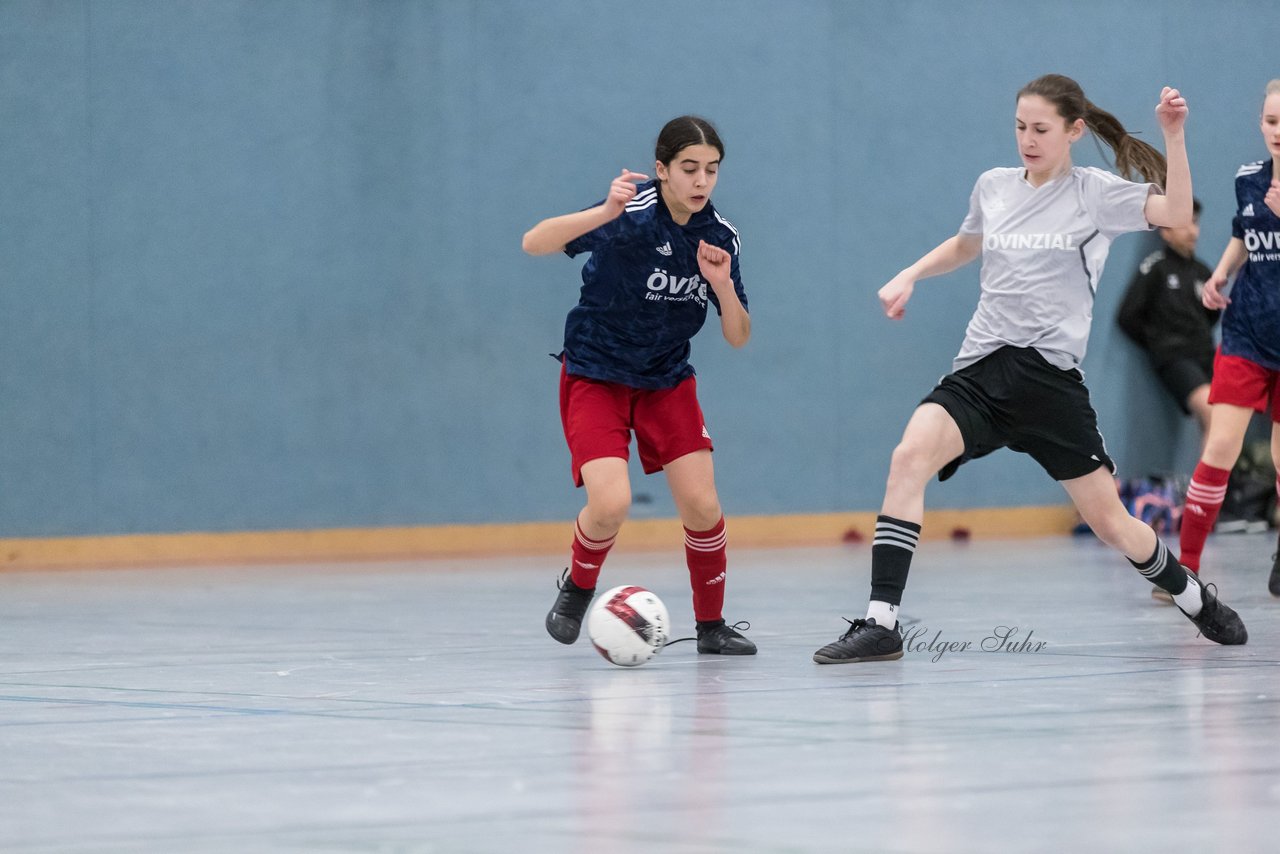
(1043, 231)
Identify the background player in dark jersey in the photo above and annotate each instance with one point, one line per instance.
(1043, 232)
(1162, 312)
(1247, 367)
(655, 248)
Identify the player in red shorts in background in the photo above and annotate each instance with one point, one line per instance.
(1248, 361)
(660, 252)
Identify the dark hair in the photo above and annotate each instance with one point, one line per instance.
(1132, 154)
(680, 133)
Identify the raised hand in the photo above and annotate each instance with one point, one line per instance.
(714, 263)
(1171, 112)
(1272, 198)
(622, 190)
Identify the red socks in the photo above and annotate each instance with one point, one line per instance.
(588, 557)
(705, 553)
(1204, 499)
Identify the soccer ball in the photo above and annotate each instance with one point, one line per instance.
(628, 625)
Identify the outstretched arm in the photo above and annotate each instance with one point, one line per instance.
(715, 264)
(552, 235)
(951, 254)
(1173, 209)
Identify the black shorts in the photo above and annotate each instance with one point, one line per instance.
(1185, 375)
(1015, 399)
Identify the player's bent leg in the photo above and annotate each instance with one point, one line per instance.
(1099, 505)
(692, 481)
(930, 441)
(608, 486)
(691, 478)
(1227, 425)
(1208, 486)
(1098, 502)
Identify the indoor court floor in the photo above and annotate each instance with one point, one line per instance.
(420, 707)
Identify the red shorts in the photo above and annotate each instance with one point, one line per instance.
(599, 416)
(1240, 382)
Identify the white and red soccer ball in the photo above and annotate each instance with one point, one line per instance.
(628, 625)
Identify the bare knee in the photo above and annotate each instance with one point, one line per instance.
(911, 466)
(701, 512)
(1222, 451)
(608, 506)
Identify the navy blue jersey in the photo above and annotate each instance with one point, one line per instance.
(1251, 323)
(643, 296)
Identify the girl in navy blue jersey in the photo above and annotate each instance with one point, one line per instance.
(1247, 365)
(660, 252)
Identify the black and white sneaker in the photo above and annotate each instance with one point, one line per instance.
(564, 620)
(719, 639)
(1216, 621)
(864, 641)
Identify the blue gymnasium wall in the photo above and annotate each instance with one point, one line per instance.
(260, 264)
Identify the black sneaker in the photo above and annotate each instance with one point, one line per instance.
(864, 641)
(1273, 583)
(720, 639)
(564, 620)
(1216, 621)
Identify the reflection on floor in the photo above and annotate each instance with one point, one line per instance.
(1046, 703)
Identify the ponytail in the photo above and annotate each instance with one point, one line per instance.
(1132, 154)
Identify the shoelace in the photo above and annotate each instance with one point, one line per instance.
(855, 626)
(740, 626)
(565, 580)
(904, 622)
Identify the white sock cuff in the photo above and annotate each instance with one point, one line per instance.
(590, 544)
(883, 613)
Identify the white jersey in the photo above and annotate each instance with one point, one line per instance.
(1043, 249)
